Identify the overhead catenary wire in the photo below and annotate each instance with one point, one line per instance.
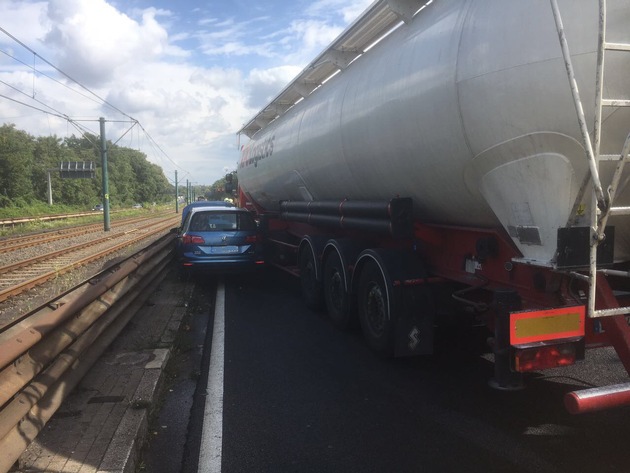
(80, 128)
(92, 96)
(58, 82)
(55, 114)
(154, 143)
(64, 74)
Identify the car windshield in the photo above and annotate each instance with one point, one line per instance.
(221, 221)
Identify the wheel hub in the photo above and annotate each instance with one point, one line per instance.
(376, 315)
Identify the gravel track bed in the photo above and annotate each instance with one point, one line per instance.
(33, 251)
(16, 306)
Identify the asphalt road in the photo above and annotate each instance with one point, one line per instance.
(300, 396)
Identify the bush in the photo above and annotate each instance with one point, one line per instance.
(21, 203)
(20, 208)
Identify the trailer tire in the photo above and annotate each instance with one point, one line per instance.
(374, 305)
(312, 291)
(336, 292)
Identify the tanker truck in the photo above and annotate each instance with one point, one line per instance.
(459, 161)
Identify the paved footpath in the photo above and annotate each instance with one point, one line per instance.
(102, 425)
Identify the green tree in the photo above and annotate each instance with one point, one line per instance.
(25, 162)
(47, 155)
(16, 164)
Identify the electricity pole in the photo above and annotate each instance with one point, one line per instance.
(106, 223)
(176, 195)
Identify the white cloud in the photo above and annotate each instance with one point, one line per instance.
(313, 36)
(94, 39)
(231, 38)
(265, 84)
(349, 10)
(25, 20)
(191, 88)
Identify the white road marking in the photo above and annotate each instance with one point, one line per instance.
(212, 430)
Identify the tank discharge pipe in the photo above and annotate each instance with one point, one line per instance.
(393, 217)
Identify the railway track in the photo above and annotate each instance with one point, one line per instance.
(10, 244)
(20, 276)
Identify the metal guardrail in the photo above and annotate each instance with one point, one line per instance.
(10, 222)
(45, 355)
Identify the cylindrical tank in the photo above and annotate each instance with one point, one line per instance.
(467, 110)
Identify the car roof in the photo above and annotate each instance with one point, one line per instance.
(217, 208)
(205, 203)
(215, 203)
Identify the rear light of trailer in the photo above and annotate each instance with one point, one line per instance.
(548, 338)
(543, 356)
(193, 240)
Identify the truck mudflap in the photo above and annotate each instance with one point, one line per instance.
(394, 303)
(415, 314)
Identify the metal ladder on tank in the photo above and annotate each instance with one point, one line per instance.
(602, 204)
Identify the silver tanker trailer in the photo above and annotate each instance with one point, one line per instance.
(474, 145)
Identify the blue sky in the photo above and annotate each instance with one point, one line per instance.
(190, 71)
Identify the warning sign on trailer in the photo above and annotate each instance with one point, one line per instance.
(544, 325)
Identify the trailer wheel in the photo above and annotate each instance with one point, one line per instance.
(374, 309)
(336, 292)
(311, 287)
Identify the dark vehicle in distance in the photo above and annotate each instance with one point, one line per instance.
(218, 239)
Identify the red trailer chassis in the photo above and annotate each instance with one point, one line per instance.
(537, 314)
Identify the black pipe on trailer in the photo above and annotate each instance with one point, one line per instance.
(392, 217)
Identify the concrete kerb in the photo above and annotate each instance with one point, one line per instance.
(122, 453)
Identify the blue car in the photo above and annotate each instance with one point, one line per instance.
(219, 239)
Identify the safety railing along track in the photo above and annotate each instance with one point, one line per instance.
(17, 221)
(44, 356)
(10, 244)
(20, 221)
